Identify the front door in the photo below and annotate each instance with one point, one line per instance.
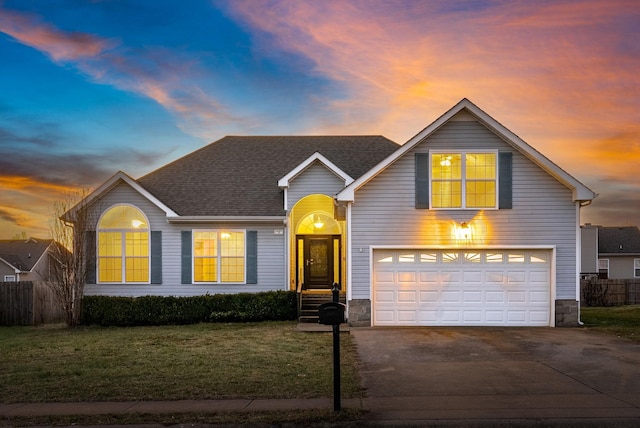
(318, 262)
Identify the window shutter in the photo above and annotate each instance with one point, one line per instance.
(156, 257)
(252, 257)
(422, 180)
(505, 181)
(90, 256)
(186, 257)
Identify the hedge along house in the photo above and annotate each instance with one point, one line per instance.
(465, 224)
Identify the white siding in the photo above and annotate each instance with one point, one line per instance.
(316, 179)
(543, 212)
(271, 253)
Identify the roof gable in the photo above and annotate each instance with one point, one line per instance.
(465, 109)
(108, 185)
(316, 157)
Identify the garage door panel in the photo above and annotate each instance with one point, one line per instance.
(382, 277)
(472, 277)
(472, 296)
(429, 277)
(516, 277)
(385, 296)
(445, 287)
(407, 296)
(429, 296)
(407, 277)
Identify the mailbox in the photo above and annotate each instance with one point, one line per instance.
(331, 313)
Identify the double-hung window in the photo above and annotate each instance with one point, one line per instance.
(636, 268)
(464, 180)
(219, 256)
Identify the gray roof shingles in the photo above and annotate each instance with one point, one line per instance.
(238, 176)
(618, 240)
(23, 254)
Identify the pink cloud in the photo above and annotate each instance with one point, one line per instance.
(59, 45)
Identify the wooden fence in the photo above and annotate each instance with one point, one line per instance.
(28, 303)
(610, 292)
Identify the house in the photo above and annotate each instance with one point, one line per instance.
(25, 259)
(464, 224)
(610, 252)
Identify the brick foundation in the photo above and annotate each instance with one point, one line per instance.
(566, 313)
(360, 313)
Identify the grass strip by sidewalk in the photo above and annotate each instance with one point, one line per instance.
(203, 361)
(623, 321)
(296, 418)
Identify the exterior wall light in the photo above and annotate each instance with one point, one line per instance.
(317, 222)
(463, 232)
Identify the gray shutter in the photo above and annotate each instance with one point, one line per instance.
(186, 257)
(505, 180)
(252, 257)
(156, 257)
(422, 180)
(90, 256)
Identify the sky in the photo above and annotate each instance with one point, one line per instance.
(88, 88)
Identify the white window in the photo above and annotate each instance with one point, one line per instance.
(636, 268)
(9, 278)
(603, 268)
(464, 180)
(219, 256)
(123, 246)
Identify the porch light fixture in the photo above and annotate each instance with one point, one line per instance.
(317, 222)
(464, 231)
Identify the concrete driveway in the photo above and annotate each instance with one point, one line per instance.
(499, 375)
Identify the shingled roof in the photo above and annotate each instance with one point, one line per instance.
(618, 240)
(238, 176)
(23, 254)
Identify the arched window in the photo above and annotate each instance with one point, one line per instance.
(123, 245)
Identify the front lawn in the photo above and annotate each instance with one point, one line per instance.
(623, 321)
(202, 361)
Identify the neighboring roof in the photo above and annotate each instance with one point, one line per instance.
(618, 240)
(580, 191)
(23, 254)
(238, 176)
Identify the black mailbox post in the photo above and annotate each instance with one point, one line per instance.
(332, 313)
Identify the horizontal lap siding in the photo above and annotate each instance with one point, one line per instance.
(271, 259)
(316, 179)
(543, 213)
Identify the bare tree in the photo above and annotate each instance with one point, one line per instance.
(74, 254)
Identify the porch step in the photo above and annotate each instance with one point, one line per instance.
(311, 302)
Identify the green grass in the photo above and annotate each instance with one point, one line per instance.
(203, 361)
(623, 321)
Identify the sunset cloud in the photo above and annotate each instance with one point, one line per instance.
(60, 45)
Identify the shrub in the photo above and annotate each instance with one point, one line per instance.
(160, 310)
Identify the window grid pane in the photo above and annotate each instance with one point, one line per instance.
(463, 180)
(110, 269)
(218, 256)
(137, 269)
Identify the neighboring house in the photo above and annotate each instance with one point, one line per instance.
(25, 259)
(464, 224)
(610, 252)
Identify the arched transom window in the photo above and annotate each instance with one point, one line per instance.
(123, 245)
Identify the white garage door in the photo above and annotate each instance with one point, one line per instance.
(461, 287)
